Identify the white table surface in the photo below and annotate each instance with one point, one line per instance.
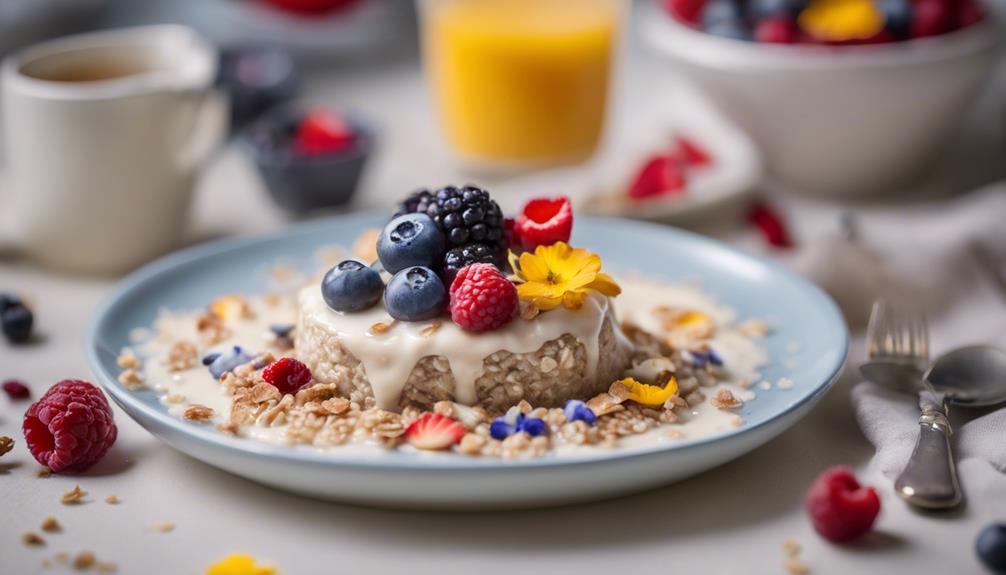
(730, 520)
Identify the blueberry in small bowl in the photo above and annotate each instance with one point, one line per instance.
(309, 159)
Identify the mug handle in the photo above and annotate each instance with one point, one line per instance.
(209, 126)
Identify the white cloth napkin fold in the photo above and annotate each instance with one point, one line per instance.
(922, 254)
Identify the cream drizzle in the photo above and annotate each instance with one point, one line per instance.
(388, 358)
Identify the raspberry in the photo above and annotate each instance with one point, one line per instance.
(16, 390)
(323, 132)
(839, 507)
(776, 31)
(660, 174)
(287, 375)
(544, 221)
(70, 428)
(482, 299)
(932, 17)
(687, 11)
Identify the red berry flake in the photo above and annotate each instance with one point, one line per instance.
(288, 375)
(776, 31)
(312, 7)
(482, 299)
(690, 153)
(544, 221)
(772, 226)
(969, 12)
(323, 132)
(840, 508)
(688, 11)
(16, 390)
(70, 428)
(434, 431)
(659, 175)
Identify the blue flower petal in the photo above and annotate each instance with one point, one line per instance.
(533, 426)
(226, 362)
(500, 428)
(577, 410)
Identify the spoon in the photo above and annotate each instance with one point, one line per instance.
(968, 377)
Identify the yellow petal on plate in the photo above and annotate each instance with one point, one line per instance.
(650, 395)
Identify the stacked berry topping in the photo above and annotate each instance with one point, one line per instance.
(472, 224)
(456, 238)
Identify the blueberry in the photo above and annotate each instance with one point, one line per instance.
(351, 286)
(8, 301)
(410, 240)
(16, 322)
(283, 330)
(415, 294)
(758, 10)
(718, 11)
(991, 547)
(897, 16)
(729, 29)
(209, 358)
(226, 362)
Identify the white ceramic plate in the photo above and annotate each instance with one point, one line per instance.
(753, 287)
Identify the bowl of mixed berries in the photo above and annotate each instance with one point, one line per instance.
(309, 159)
(845, 97)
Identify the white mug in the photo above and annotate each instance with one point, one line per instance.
(104, 136)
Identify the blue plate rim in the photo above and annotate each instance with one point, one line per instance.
(417, 462)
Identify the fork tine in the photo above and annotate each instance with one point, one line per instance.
(874, 345)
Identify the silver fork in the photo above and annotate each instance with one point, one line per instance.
(898, 346)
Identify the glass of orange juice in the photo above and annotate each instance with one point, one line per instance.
(520, 83)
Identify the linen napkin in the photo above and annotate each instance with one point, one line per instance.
(924, 254)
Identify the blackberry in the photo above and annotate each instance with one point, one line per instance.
(466, 215)
(419, 201)
(462, 256)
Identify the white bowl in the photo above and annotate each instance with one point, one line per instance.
(848, 120)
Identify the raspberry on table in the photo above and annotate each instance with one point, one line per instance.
(482, 299)
(544, 221)
(288, 375)
(839, 507)
(16, 390)
(69, 428)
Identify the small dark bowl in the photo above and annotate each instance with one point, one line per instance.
(301, 184)
(257, 77)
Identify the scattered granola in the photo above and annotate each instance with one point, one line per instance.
(74, 496)
(112, 500)
(784, 383)
(105, 567)
(365, 246)
(6, 444)
(725, 400)
(127, 359)
(163, 526)
(198, 412)
(32, 538)
(380, 327)
(131, 379)
(51, 525)
(84, 560)
(183, 355)
(43, 473)
(795, 566)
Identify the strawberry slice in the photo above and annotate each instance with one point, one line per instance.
(543, 222)
(690, 153)
(660, 174)
(323, 132)
(771, 224)
(434, 431)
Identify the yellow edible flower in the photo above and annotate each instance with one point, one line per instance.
(839, 20)
(651, 395)
(238, 564)
(560, 275)
(230, 307)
